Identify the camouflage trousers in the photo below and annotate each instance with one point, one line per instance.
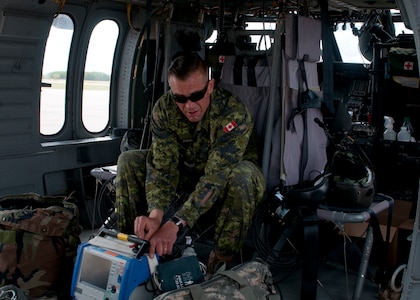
(230, 217)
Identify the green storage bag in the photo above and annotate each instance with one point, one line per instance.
(39, 237)
(403, 62)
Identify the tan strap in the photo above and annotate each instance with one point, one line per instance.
(244, 287)
(197, 292)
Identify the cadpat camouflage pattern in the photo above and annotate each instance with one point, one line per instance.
(217, 155)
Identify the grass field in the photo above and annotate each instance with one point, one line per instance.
(95, 106)
(88, 84)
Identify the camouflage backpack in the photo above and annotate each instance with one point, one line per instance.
(39, 237)
(251, 280)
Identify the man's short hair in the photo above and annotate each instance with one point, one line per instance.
(186, 63)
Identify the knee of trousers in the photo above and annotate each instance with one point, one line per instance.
(132, 158)
(246, 173)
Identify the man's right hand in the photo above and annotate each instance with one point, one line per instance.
(145, 227)
(161, 238)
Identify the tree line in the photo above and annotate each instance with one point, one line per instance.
(98, 76)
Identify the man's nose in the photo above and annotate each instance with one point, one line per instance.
(189, 103)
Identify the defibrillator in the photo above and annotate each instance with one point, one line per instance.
(111, 266)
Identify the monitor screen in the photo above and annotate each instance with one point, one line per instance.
(95, 270)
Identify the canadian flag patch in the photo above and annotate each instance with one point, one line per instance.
(230, 126)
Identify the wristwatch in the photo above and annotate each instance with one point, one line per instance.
(178, 222)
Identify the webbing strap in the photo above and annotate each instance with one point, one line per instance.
(310, 259)
(304, 154)
(244, 287)
(129, 5)
(197, 292)
(60, 9)
(237, 70)
(252, 79)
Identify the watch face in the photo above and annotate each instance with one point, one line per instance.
(177, 221)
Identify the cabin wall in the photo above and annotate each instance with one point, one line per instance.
(28, 161)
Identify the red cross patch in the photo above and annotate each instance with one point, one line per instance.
(221, 59)
(230, 126)
(408, 66)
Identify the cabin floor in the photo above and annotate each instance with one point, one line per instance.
(333, 283)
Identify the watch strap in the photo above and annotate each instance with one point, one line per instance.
(178, 222)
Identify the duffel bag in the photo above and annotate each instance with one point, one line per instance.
(39, 237)
(248, 281)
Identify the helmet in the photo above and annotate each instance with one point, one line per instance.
(311, 194)
(352, 184)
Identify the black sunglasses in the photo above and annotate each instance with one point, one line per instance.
(194, 97)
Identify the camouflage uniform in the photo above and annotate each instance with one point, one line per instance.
(217, 154)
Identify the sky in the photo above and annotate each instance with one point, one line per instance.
(100, 52)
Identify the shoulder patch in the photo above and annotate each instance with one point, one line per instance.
(230, 126)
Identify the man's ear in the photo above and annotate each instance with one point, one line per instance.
(211, 85)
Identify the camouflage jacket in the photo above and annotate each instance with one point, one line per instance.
(205, 152)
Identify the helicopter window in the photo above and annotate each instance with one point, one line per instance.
(259, 35)
(348, 43)
(97, 80)
(261, 40)
(54, 74)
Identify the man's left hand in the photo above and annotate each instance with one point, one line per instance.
(164, 239)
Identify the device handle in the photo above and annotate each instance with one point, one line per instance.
(143, 245)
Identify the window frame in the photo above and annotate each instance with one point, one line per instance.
(110, 79)
(84, 23)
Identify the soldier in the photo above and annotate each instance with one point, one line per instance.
(203, 144)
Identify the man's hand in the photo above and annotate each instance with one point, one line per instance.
(145, 227)
(164, 239)
(161, 238)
